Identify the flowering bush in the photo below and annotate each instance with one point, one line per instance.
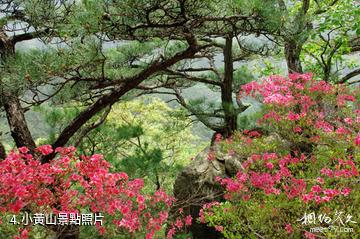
(72, 185)
(308, 163)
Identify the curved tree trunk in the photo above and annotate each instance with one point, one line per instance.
(11, 102)
(17, 123)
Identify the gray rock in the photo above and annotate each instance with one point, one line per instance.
(196, 186)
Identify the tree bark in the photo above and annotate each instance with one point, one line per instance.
(293, 44)
(227, 90)
(17, 122)
(2, 152)
(11, 102)
(292, 55)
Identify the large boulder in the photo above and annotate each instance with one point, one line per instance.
(196, 185)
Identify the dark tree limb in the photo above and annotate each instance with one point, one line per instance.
(91, 127)
(2, 151)
(292, 54)
(127, 85)
(199, 115)
(17, 122)
(11, 102)
(349, 76)
(305, 6)
(193, 78)
(354, 44)
(227, 89)
(29, 36)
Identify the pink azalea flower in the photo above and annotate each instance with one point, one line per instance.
(188, 220)
(309, 235)
(357, 140)
(289, 228)
(45, 149)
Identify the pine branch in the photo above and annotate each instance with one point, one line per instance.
(120, 90)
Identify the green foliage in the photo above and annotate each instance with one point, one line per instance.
(330, 39)
(269, 68)
(248, 120)
(145, 138)
(57, 119)
(142, 137)
(268, 11)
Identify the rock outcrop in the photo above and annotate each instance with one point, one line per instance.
(196, 186)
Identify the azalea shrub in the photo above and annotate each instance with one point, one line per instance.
(75, 185)
(299, 174)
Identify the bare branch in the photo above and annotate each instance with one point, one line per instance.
(199, 115)
(29, 36)
(193, 78)
(305, 6)
(349, 76)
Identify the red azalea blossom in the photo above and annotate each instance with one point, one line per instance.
(288, 228)
(309, 235)
(319, 124)
(219, 228)
(45, 149)
(85, 183)
(357, 140)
